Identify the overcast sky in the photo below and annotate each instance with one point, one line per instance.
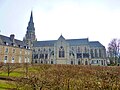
(98, 20)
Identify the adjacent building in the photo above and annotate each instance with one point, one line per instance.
(13, 50)
(64, 51)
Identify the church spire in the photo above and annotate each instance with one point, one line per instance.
(30, 36)
(31, 23)
(31, 17)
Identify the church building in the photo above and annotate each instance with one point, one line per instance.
(64, 51)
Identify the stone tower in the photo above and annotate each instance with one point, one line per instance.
(30, 33)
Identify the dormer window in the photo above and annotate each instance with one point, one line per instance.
(5, 43)
(12, 44)
(18, 45)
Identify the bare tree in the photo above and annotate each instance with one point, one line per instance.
(114, 51)
(10, 67)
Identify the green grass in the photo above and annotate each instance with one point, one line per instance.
(12, 74)
(4, 85)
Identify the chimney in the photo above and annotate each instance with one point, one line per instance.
(12, 36)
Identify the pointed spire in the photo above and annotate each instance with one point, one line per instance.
(31, 23)
(31, 17)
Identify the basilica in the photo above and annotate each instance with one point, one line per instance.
(64, 51)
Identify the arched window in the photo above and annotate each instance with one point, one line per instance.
(91, 52)
(61, 52)
(78, 62)
(100, 54)
(72, 62)
(96, 54)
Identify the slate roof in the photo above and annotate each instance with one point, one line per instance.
(72, 42)
(44, 43)
(7, 41)
(95, 44)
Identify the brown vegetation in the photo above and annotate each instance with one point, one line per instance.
(68, 77)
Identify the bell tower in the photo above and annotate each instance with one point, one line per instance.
(30, 33)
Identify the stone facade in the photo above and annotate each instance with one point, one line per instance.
(14, 51)
(65, 51)
(69, 51)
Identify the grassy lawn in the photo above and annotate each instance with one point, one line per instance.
(13, 74)
(4, 85)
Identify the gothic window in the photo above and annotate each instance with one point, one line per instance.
(91, 52)
(46, 56)
(51, 62)
(100, 53)
(79, 55)
(61, 52)
(85, 55)
(79, 62)
(41, 56)
(72, 62)
(96, 54)
(35, 56)
(86, 62)
(101, 62)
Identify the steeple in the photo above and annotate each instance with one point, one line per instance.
(31, 24)
(30, 33)
(31, 17)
